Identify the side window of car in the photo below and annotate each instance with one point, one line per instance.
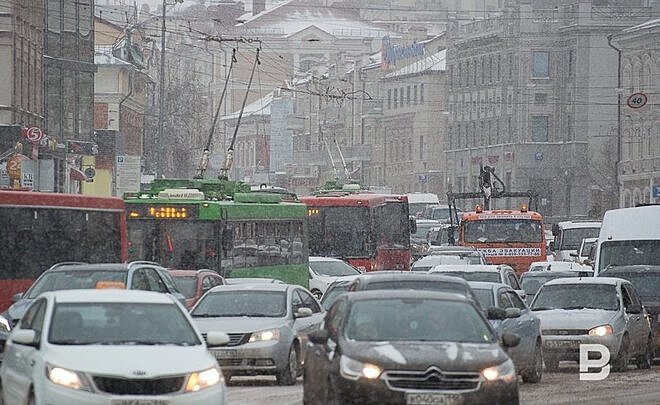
(168, 280)
(516, 301)
(296, 302)
(513, 281)
(308, 301)
(207, 283)
(155, 282)
(627, 302)
(140, 280)
(503, 299)
(632, 294)
(335, 318)
(29, 319)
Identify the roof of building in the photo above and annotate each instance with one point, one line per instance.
(258, 108)
(646, 25)
(436, 62)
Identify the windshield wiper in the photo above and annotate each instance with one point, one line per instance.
(206, 315)
(543, 308)
(138, 342)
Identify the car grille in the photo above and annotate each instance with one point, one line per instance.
(565, 332)
(125, 386)
(230, 362)
(235, 339)
(432, 379)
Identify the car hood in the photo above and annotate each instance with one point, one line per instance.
(449, 356)
(237, 324)
(132, 361)
(574, 318)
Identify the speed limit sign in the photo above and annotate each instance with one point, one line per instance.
(637, 100)
(34, 134)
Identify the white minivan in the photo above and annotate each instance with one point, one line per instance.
(629, 236)
(418, 201)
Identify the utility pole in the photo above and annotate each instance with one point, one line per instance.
(158, 142)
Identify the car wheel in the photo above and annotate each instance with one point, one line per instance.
(551, 363)
(620, 364)
(644, 361)
(290, 373)
(534, 372)
(317, 294)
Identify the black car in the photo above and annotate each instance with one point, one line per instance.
(646, 280)
(405, 346)
(335, 289)
(405, 280)
(531, 281)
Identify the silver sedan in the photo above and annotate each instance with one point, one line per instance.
(267, 326)
(593, 310)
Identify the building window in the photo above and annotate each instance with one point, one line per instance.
(401, 95)
(540, 98)
(483, 70)
(389, 99)
(415, 94)
(499, 71)
(509, 130)
(451, 77)
(421, 147)
(421, 93)
(510, 66)
(395, 98)
(474, 75)
(540, 64)
(539, 128)
(571, 62)
(408, 95)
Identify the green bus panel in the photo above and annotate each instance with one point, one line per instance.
(289, 273)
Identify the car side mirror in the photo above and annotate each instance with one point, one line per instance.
(510, 339)
(319, 337)
(16, 297)
(26, 337)
(494, 313)
(215, 339)
(302, 313)
(513, 313)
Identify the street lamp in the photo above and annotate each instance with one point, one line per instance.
(161, 111)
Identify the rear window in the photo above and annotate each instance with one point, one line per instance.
(488, 276)
(74, 280)
(417, 285)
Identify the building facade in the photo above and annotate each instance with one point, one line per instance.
(639, 168)
(532, 94)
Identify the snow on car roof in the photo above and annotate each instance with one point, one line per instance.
(585, 280)
(466, 267)
(324, 259)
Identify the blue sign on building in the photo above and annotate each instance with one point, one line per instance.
(656, 191)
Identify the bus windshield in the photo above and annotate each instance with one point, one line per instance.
(340, 232)
(571, 238)
(392, 225)
(502, 230)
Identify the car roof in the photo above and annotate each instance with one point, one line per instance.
(467, 267)
(108, 295)
(188, 273)
(452, 248)
(409, 275)
(579, 224)
(558, 273)
(404, 294)
(324, 259)
(252, 280)
(424, 221)
(439, 259)
(587, 280)
(90, 267)
(252, 287)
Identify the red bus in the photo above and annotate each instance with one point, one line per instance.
(370, 231)
(38, 230)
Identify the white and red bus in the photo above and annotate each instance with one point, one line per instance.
(370, 231)
(38, 230)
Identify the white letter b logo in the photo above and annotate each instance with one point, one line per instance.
(586, 363)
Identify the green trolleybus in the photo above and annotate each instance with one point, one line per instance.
(219, 225)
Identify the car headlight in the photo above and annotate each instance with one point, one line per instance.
(505, 372)
(603, 330)
(68, 378)
(203, 379)
(353, 369)
(5, 325)
(265, 335)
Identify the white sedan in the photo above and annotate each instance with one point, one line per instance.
(325, 270)
(110, 347)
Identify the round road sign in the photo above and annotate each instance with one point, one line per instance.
(34, 134)
(637, 100)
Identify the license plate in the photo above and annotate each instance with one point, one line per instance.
(421, 398)
(562, 344)
(225, 354)
(139, 402)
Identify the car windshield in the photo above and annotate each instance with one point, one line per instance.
(250, 303)
(484, 296)
(488, 276)
(572, 238)
(502, 230)
(74, 280)
(629, 252)
(125, 323)
(646, 284)
(576, 296)
(333, 268)
(532, 284)
(414, 319)
(332, 293)
(187, 285)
